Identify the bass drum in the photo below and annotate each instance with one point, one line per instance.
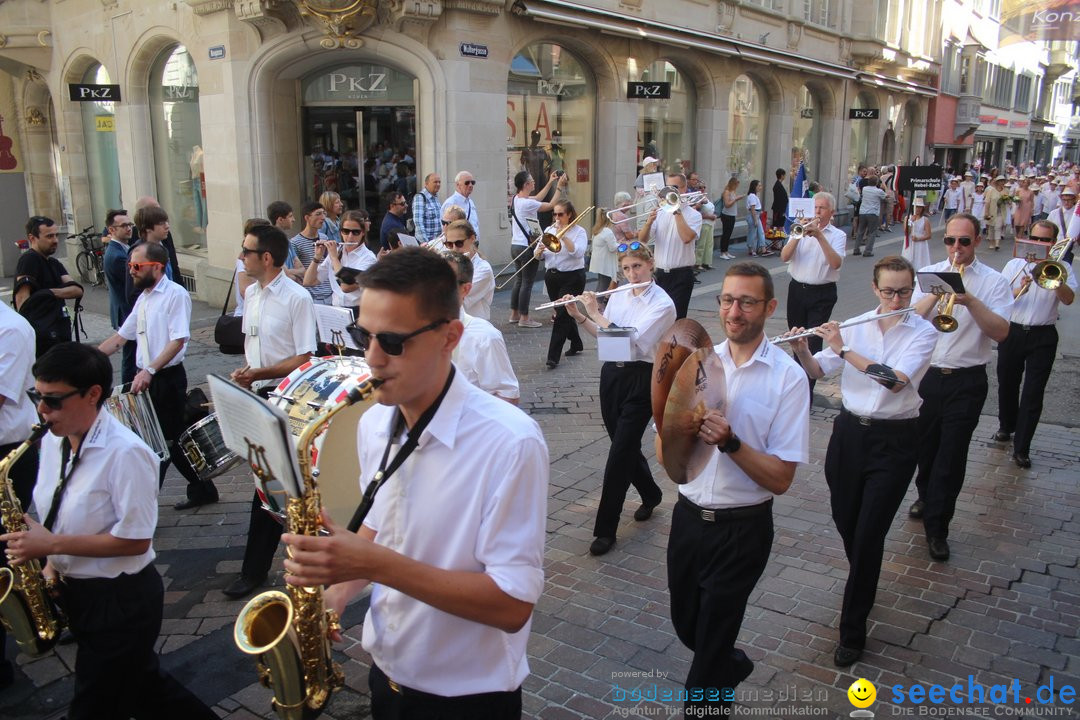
(308, 392)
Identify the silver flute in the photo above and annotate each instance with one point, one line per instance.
(809, 333)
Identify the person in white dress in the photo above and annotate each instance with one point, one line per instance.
(917, 241)
(604, 259)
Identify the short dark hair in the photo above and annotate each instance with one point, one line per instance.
(278, 209)
(36, 222)
(1046, 224)
(970, 218)
(780, 172)
(421, 273)
(310, 207)
(752, 269)
(463, 225)
(895, 263)
(462, 266)
(679, 176)
(148, 217)
(155, 252)
(110, 217)
(272, 240)
(520, 179)
(254, 223)
(78, 365)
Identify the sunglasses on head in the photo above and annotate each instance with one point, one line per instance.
(391, 343)
(950, 240)
(623, 247)
(459, 244)
(138, 266)
(446, 222)
(53, 402)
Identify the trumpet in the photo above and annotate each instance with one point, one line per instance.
(667, 198)
(551, 241)
(944, 320)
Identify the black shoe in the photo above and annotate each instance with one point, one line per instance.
(917, 509)
(845, 656)
(601, 545)
(66, 638)
(939, 548)
(1002, 436)
(1022, 460)
(868, 254)
(857, 252)
(243, 586)
(644, 512)
(552, 364)
(190, 503)
(743, 666)
(572, 352)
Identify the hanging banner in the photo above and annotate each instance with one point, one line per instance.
(1041, 20)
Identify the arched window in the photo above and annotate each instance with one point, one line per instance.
(99, 143)
(859, 138)
(665, 125)
(746, 131)
(177, 135)
(806, 135)
(550, 115)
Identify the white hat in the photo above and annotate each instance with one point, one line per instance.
(919, 202)
(1067, 191)
(649, 161)
(968, 174)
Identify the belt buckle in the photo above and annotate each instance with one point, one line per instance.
(620, 364)
(393, 685)
(708, 515)
(864, 421)
(946, 371)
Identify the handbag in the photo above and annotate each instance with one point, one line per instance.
(229, 329)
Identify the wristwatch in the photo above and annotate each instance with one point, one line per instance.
(731, 446)
(843, 350)
(150, 370)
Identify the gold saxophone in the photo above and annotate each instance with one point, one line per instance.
(301, 672)
(26, 608)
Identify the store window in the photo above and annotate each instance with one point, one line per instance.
(177, 137)
(665, 126)
(806, 135)
(858, 138)
(99, 142)
(550, 115)
(746, 130)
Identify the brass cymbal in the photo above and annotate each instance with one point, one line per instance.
(681, 339)
(699, 386)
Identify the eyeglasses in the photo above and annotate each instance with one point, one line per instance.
(746, 304)
(391, 343)
(249, 251)
(351, 231)
(459, 244)
(53, 402)
(446, 222)
(470, 182)
(138, 266)
(950, 240)
(890, 293)
(623, 247)
(124, 225)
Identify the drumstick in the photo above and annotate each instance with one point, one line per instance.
(560, 303)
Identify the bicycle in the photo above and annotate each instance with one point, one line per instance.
(90, 262)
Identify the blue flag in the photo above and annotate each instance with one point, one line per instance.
(797, 191)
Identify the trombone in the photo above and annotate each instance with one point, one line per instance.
(667, 198)
(551, 241)
(1049, 274)
(944, 320)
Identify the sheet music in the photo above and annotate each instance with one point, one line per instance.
(246, 418)
(943, 281)
(331, 322)
(407, 240)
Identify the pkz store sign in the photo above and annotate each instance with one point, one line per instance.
(648, 90)
(85, 92)
(358, 82)
(864, 113)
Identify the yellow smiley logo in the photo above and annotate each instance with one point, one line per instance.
(862, 693)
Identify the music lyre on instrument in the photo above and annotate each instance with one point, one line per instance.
(846, 324)
(560, 303)
(1049, 274)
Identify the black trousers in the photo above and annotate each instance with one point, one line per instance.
(521, 290)
(868, 469)
(23, 476)
(1026, 354)
(394, 702)
(727, 222)
(809, 306)
(949, 414)
(168, 391)
(712, 569)
(116, 622)
(559, 283)
(678, 283)
(625, 405)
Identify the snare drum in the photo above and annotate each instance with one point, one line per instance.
(305, 394)
(205, 449)
(136, 413)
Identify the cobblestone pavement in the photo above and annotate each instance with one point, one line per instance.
(1006, 606)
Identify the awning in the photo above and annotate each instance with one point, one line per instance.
(878, 80)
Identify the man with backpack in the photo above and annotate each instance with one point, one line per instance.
(42, 285)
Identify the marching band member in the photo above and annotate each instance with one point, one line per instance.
(625, 388)
(351, 252)
(565, 275)
(673, 235)
(97, 492)
(722, 527)
(1028, 352)
(460, 236)
(955, 387)
(870, 459)
(454, 544)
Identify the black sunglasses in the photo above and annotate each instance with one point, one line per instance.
(248, 251)
(391, 343)
(351, 231)
(950, 240)
(53, 402)
(446, 222)
(470, 182)
(459, 244)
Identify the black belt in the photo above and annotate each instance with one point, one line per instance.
(725, 514)
(168, 370)
(554, 270)
(399, 689)
(1029, 328)
(958, 371)
(882, 422)
(807, 286)
(671, 270)
(634, 364)
(95, 584)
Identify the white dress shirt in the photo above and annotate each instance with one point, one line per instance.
(472, 497)
(808, 264)
(565, 260)
(1066, 221)
(953, 198)
(466, 204)
(160, 315)
(482, 358)
(113, 489)
(238, 311)
(651, 314)
(1036, 306)
(969, 346)
(478, 301)
(18, 345)
(669, 249)
(906, 347)
(524, 208)
(768, 406)
(1051, 199)
(359, 258)
(967, 195)
(279, 322)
